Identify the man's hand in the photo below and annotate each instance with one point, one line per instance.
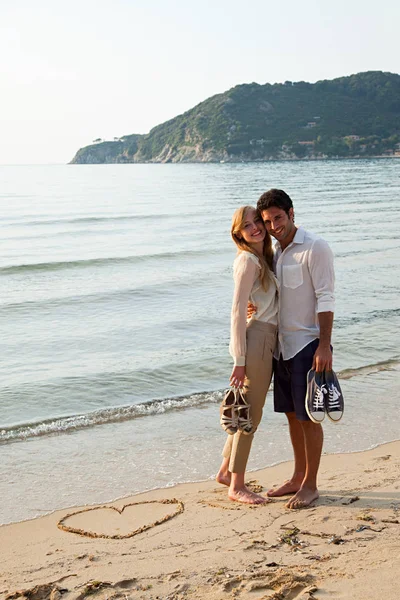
(237, 377)
(322, 359)
(251, 309)
(323, 355)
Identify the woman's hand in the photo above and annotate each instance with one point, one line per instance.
(237, 377)
(251, 310)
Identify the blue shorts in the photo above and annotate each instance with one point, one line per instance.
(290, 382)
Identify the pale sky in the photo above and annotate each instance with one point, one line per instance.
(77, 70)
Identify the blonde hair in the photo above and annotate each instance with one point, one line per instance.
(238, 221)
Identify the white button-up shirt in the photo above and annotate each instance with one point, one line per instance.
(306, 287)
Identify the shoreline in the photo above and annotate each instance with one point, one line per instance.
(35, 429)
(239, 161)
(172, 486)
(348, 541)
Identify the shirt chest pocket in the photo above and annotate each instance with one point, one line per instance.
(292, 276)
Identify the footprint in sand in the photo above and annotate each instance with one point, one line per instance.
(385, 457)
(283, 584)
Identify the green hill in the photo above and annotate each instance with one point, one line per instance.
(357, 115)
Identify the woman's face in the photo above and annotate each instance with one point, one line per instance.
(253, 230)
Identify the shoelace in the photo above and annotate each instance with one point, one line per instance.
(318, 403)
(334, 397)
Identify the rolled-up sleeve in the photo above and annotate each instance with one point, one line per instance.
(323, 275)
(244, 275)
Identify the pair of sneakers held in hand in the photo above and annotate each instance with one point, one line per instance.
(324, 396)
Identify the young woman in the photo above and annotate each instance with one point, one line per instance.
(252, 343)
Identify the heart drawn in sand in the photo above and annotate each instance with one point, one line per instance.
(108, 521)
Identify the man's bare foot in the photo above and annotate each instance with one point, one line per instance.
(247, 496)
(224, 478)
(303, 498)
(289, 487)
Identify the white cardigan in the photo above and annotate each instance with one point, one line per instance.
(248, 287)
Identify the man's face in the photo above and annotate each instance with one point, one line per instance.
(278, 223)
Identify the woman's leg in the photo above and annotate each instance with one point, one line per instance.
(260, 346)
(224, 475)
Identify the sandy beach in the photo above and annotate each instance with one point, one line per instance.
(201, 545)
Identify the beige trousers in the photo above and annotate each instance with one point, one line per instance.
(260, 343)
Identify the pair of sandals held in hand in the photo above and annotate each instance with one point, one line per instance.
(235, 412)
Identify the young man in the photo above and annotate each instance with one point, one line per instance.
(303, 264)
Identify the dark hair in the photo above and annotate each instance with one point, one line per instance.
(275, 197)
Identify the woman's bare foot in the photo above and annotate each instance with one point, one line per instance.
(304, 497)
(289, 487)
(247, 496)
(224, 478)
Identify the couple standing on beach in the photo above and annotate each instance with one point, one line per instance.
(289, 293)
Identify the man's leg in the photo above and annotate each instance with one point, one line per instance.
(313, 440)
(283, 402)
(306, 436)
(297, 438)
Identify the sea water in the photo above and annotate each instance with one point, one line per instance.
(116, 287)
